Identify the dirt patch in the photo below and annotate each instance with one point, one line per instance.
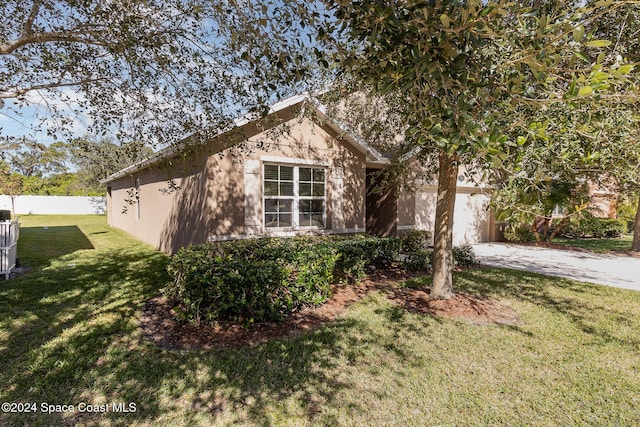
(477, 310)
(160, 325)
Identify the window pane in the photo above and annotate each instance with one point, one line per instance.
(316, 220)
(305, 174)
(286, 188)
(270, 205)
(317, 206)
(279, 196)
(305, 189)
(304, 205)
(271, 220)
(285, 220)
(270, 188)
(318, 190)
(284, 206)
(271, 172)
(286, 173)
(305, 220)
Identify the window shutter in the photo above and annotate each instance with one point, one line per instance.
(252, 197)
(337, 197)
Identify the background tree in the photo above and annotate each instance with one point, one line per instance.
(67, 169)
(31, 158)
(10, 183)
(96, 159)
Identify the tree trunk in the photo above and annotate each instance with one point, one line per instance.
(534, 229)
(442, 287)
(635, 246)
(562, 224)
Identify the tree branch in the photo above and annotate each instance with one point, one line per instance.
(27, 28)
(13, 93)
(565, 33)
(10, 46)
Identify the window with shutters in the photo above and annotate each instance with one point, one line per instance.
(294, 197)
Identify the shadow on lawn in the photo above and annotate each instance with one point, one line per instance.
(62, 319)
(577, 301)
(71, 336)
(38, 246)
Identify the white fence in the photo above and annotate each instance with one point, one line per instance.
(51, 205)
(9, 231)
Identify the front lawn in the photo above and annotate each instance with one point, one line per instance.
(69, 335)
(602, 245)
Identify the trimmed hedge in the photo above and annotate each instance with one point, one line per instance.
(250, 280)
(266, 279)
(518, 234)
(464, 256)
(416, 250)
(5, 215)
(359, 254)
(590, 226)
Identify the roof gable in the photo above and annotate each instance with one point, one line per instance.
(345, 134)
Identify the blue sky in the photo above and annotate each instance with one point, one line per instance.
(34, 118)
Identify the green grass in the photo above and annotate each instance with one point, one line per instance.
(69, 334)
(599, 245)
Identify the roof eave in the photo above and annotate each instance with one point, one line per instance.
(372, 156)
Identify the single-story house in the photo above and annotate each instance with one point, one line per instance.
(313, 178)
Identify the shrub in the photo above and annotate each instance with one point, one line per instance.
(518, 234)
(613, 227)
(464, 256)
(418, 260)
(265, 279)
(416, 240)
(250, 280)
(416, 252)
(360, 253)
(590, 226)
(5, 215)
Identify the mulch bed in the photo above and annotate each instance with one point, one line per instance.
(160, 325)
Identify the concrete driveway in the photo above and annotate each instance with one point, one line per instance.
(611, 270)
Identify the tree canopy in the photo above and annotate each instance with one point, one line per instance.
(461, 74)
(154, 70)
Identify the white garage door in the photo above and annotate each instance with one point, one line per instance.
(470, 220)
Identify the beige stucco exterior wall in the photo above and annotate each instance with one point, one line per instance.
(220, 194)
(603, 202)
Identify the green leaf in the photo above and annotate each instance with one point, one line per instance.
(600, 76)
(446, 22)
(625, 69)
(578, 33)
(586, 90)
(598, 43)
(582, 56)
(573, 88)
(603, 3)
(487, 10)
